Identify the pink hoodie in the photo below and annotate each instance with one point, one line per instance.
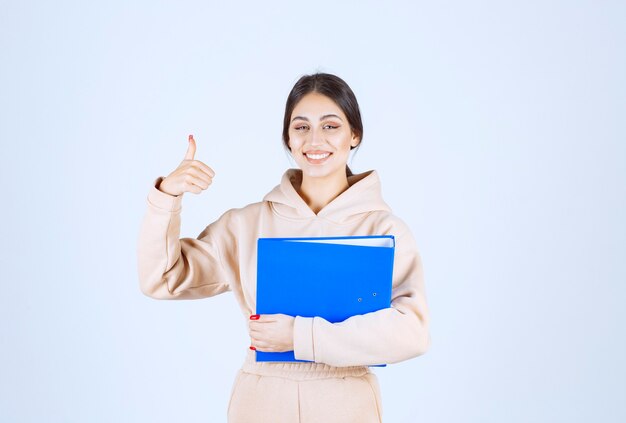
(223, 258)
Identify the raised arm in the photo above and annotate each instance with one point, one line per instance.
(173, 268)
(385, 336)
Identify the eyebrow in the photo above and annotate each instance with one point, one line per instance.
(321, 118)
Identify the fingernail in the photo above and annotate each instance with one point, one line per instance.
(190, 137)
(252, 348)
(254, 317)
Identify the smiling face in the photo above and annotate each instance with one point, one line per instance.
(320, 137)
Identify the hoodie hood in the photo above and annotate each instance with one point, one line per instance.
(362, 196)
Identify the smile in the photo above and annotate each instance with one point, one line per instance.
(317, 156)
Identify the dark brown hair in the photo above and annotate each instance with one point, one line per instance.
(332, 87)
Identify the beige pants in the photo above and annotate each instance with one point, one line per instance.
(303, 393)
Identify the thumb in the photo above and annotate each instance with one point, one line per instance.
(191, 150)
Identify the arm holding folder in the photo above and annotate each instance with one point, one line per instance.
(385, 336)
(388, 335)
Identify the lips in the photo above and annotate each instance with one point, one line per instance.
(317, 156)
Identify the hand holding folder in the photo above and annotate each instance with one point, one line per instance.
(330, 277)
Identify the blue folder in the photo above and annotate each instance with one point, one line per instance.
(330, 277)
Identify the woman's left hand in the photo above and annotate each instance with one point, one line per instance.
(271, 332)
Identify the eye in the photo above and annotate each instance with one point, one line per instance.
(299, 128)
(331, 126)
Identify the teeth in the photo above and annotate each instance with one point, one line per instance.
(318, 156)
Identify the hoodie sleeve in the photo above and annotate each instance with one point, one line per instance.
(175, 269)
(382, 337)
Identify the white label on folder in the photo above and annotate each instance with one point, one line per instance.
(364, 242)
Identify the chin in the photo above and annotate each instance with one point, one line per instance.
(319, 172)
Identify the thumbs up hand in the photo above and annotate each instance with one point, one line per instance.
(190, 176)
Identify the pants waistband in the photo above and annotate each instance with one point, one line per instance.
(299, 370)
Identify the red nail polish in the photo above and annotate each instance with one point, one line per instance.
(252, 348)
(255, 317)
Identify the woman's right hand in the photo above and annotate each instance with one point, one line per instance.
(190, 176)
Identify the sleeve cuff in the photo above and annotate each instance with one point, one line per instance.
(161, 200)
(303, 339)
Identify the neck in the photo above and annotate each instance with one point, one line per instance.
(319, 192)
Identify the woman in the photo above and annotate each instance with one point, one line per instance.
(322, 123)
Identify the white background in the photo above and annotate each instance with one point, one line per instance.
(499, 132)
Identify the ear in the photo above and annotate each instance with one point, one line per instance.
(354, 142)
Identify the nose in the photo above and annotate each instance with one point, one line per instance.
(317, 137)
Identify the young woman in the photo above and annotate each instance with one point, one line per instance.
(322, 123)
